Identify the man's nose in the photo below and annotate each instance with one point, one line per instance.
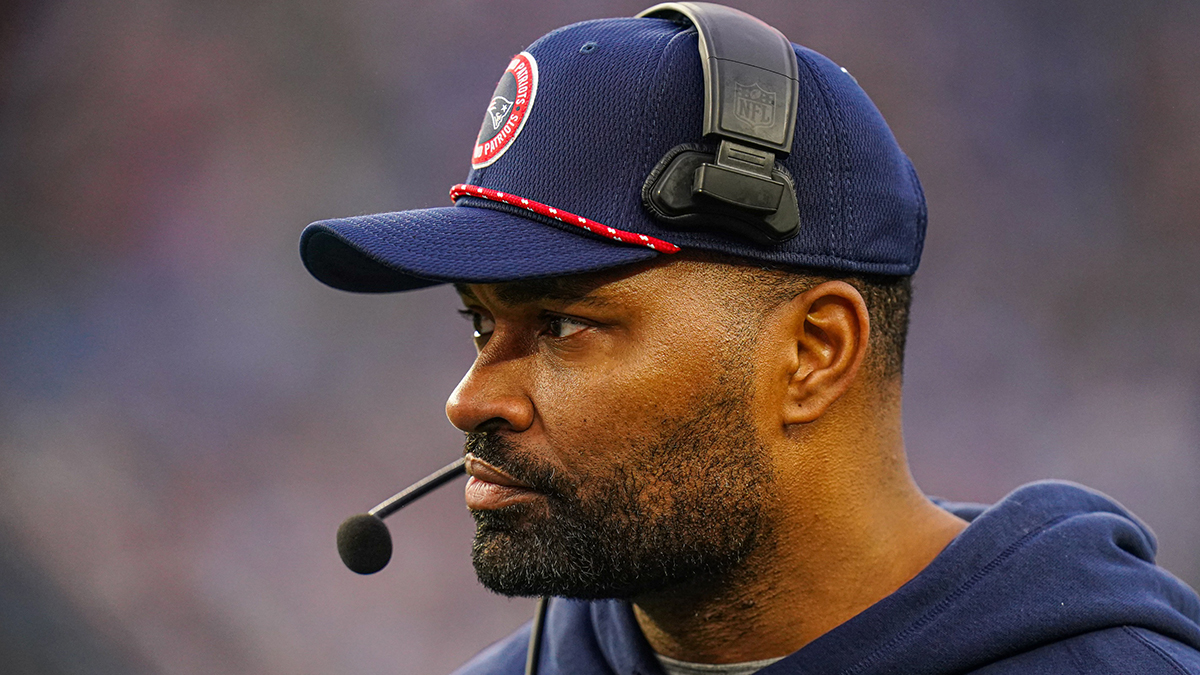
(490, 398)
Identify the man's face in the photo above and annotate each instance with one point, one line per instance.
(624, 403)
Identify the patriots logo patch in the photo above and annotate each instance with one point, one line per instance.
(498, 112)
(508, 110)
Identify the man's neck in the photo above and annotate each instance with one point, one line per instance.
(824, 562)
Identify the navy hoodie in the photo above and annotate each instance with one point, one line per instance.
(1055, 578)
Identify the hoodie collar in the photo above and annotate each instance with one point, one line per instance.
(1050, 561)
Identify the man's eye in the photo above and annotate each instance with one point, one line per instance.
(483, 325)
(561, 326)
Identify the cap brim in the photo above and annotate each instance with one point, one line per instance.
(406, 250)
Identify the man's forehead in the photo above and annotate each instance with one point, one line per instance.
(562, 289)
(590, 287)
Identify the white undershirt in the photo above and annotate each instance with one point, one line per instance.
(676, 667)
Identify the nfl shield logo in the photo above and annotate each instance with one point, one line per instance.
(753, 104)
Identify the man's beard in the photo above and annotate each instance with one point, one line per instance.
(689, 505)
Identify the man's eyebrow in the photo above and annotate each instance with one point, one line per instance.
(563, 289)
(465, 291)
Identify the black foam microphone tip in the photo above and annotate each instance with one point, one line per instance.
(364, 543)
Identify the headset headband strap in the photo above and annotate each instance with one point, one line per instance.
(750, 74)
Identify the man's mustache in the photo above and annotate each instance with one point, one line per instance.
(506, 456)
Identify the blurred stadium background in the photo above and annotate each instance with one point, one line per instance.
(186, 416)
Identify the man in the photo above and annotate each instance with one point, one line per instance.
(684, 420)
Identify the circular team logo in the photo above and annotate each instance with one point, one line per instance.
(508, 110)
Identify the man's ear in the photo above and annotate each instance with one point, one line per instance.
(829, 331)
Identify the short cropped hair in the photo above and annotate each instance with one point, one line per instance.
(888, 300)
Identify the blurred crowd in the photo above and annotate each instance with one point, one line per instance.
(186, 416)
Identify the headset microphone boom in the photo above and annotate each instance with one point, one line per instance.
(364, 542)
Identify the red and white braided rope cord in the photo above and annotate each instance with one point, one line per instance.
(464, 190)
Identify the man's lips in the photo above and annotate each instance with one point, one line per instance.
(490, 488)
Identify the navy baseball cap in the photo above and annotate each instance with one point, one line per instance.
(578, 122)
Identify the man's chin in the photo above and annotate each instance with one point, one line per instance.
(506, 568)
(516, 565)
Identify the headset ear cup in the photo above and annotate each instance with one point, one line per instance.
(669, 196)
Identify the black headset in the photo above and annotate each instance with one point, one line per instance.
(751, 92)
(739, 189)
